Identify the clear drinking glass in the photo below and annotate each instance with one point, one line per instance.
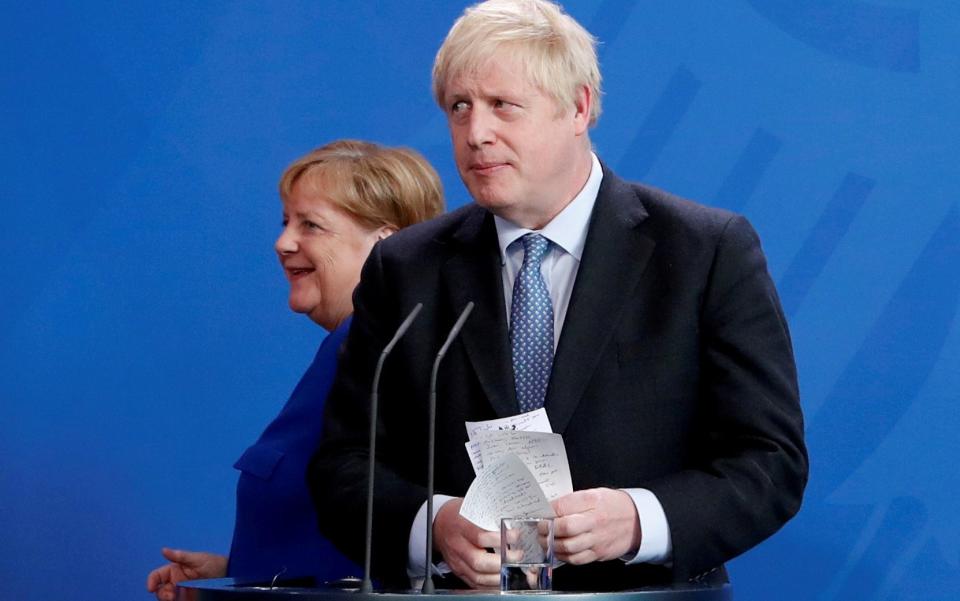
(526, 555)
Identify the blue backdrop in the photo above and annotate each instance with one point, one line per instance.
(144, 333)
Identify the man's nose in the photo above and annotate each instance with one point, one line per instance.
(480, 129)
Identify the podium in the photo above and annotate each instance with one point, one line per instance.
(228, 589)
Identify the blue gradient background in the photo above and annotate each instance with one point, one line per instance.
(144, 334)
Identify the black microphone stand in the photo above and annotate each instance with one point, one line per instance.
(367, 585)
(431, 443)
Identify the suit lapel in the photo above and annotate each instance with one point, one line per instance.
(473, 273)
(614, 258)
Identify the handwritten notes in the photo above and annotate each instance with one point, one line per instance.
(520, 464)
(532, 421)
(505, 488)
(543, 453)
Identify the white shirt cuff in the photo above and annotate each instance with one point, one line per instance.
(655, 543)
(417, 544)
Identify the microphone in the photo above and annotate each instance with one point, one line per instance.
(367, 585)
(431, 442)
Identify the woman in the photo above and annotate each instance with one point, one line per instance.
(338, 201)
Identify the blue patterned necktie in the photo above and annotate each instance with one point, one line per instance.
(531, 327)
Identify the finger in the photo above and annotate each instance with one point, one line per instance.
(481, 579)
(167, 593)
(488, 563)
(533, 577)
(487, 539)
(575, 502)
(174, 555)
(573, 544)
(476, 567)
(583, 557)
(480, 561)
(177, 573)
(488, 581)
(156, 578)
(573, 525)
(512, 535)
(191, 560)
(513, 555)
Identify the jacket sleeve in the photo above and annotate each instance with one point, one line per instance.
(749, 469)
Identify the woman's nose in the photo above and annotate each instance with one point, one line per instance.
(286, 242)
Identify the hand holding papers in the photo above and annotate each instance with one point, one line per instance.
(521, 466)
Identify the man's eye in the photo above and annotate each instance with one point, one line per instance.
(458, 106)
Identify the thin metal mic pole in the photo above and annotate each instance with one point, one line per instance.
(431, 442)
(367, 585)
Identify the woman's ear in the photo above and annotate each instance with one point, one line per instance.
(385, 231)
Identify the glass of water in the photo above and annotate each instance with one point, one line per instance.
(526, 555)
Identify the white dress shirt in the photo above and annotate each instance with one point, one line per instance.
(567, 233)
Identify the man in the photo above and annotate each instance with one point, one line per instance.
(647, 327)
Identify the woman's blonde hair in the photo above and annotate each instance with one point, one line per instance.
(376, 185)
(555, 52)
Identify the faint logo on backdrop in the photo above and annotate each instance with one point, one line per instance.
(899, 532)
(870, 35)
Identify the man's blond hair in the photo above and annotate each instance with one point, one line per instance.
(555, 53)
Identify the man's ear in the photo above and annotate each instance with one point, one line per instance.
(582, 104)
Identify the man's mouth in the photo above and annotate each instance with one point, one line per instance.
(487, 167)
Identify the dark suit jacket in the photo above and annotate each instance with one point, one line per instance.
(674, 372)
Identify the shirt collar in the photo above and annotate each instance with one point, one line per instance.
(568, 229)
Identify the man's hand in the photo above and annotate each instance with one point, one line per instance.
(464, 547)
(595, 525)
(184, 565)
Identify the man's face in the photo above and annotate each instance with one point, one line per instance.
(519, 156)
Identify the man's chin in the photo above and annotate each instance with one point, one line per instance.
(491, 200)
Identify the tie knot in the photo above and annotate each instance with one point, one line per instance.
(534, 247)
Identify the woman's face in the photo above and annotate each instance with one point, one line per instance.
(322, 249)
